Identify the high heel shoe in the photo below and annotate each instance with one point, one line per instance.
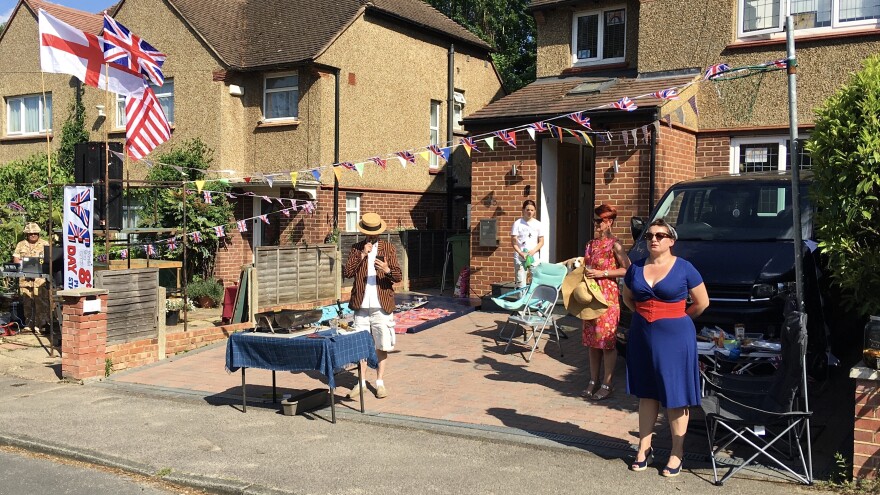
(643, 465)
(669, 472)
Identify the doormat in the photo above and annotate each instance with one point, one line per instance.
(435, 311)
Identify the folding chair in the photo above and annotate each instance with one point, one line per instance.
(764, 412)
(550, 274)
(539, 315)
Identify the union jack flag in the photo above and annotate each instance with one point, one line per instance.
(207, 196)
(666, 94)
(539, 126)
(242, 225)
(172, 245)
(81, 206)
(580, 118)
(196, 237)
(101, 258)
(78, 235)
(309, 206)
(125, 49)
(469, 143)
(348, 165)
(265, 219)
(508, 137)
(286, 212)
(625, 104)
(379, 161)
(435, 148)
(781, 63)
(14, 205)
(151, 250)
(407, 155)
(123, 255)
(220, 231)
(716, 70)
(39, 195)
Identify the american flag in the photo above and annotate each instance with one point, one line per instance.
(78, 235)
(151, 250)
(348, 165)
(196, 237)
(508, 137)
(379, 161)
(207, 196)
(14, 205)
(146, 126)
(220, 231)
(265, 219)
(580, 118)
(125, 49)
(539, 126)
(625, 104)
(716, 70)
(123, 255)
(172, 245)
(666, 94)
(407, 155)
(242, 225)
(469, 143)
(38, 194)
(81, 206)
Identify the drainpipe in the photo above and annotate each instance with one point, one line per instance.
(336, 72)
(450, 97)
(652, 168)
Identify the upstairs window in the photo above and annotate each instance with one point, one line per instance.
(761, 17)
(28, 115)
(599, 36)
(352, 211)
(434, 130)
(165, 95)
(281, 97)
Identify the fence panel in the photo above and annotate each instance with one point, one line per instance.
(132, 303)
(295, 274)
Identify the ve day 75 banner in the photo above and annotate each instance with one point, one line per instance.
(77, 233)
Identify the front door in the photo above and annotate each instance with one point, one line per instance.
(567, 203)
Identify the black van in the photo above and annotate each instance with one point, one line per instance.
(737, 231)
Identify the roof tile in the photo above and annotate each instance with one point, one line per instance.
(84, 21)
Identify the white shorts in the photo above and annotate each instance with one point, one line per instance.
(380, 325)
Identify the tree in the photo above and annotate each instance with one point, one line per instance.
(504, 24)
(2, 27)
(74, 130)
(845, 149)
(164, 205)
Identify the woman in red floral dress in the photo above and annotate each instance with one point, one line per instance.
(605, 261)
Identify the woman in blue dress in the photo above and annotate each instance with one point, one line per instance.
(661, 360)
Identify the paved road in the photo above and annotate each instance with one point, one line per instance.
(26, 474)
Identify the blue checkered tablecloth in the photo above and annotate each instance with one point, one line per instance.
(282, 353)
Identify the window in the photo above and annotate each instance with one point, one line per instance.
(352, 211)
(434, 127)
(281, 97)
(757, 17)
(132, 209)
(28, 115)
(165, 95)
(599, 36)
(764, 154)
(458, 103)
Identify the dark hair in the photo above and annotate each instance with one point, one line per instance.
(606, 211)
(669, 228)
(529, 202)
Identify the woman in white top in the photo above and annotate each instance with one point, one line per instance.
(527, 239)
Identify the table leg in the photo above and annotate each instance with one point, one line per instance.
(274, 394)
(333, 405)
(243, 393)
(360, 378)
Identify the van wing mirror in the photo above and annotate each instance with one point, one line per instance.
(636, 226)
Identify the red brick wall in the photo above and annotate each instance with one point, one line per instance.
(866, 445)
(83, 339)
(676, 158)
(626, 190)
(713, 155)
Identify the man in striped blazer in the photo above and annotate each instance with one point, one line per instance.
(372, 263)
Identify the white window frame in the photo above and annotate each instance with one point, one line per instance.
(600, 45)
(45, 118)
(164, 94)
(434, 132)
(784, 7)
(266, 92)
(780, 141)
(458, 103)
(351, 226)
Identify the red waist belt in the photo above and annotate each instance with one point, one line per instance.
(653, 310)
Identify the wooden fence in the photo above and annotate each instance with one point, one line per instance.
(132, 303)
(295, 274)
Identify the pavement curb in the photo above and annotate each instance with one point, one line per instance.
(206, 483)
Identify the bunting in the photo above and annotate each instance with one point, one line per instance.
(293, 177)
(123, 254)
(207, 196)
(666, 94)
(265, 219)
(151, 250)
(316, 174)
(580, 118)
(270, 179)
(441, 152)
(693, 102)
(199, 185)
(508, 137)
(406, 156)
(469, 145)
(220, 231)
(242, 225)
(625, 103)
(172, 244)
(196, 237)
(286, 212)
(715, 70)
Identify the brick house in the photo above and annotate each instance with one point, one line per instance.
(591, 53)
(271, 88)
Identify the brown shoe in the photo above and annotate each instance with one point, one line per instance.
(381, 393)
(603, 393)
(355, 392)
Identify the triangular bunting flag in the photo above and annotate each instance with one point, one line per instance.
(531, 132)
(693, 101)
(206, 195)
(270, 179)
(657, 128)
(508, 137)
(179, 169)
(196, 237)
(247, 179)
(668, 119)
(360, 168)
(265, 219)
(242, 225)
(337, 171)
(286, 212)
(679, 114)
(220, 231)
(379, 161)
(293, 177)
(316, 174)
(645, 134)
(266, 199)
(426, 155)
(585, 137)
(148, 163)
(490, 141)
(625, 137)
(634, 134)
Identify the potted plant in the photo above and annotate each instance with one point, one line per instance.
(173, 308)
(206, 292)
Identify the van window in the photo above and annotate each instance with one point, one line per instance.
(733, 212)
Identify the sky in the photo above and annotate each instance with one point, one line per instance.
(6, 6)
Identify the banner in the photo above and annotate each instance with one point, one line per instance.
(78, 235)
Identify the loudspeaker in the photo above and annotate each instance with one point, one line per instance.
(88, 168)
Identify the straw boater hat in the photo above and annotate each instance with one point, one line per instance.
(371, 224)
(31, 228)
(582, 297)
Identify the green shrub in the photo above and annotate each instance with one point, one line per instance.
(210, 287)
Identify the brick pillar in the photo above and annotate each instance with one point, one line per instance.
(866, 444)
(83, 333)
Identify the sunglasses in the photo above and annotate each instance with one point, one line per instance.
(659, 235)
(597, 221)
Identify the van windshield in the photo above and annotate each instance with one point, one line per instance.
(734, 212)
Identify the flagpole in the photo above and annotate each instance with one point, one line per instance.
(107, 164)
(51, 279)
(183, 241)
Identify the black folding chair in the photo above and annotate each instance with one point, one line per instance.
(770, 414)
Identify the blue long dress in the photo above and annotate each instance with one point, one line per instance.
(661, 356)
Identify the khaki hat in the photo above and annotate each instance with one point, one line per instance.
(583, 297)
(371, 224)
(31, 228)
